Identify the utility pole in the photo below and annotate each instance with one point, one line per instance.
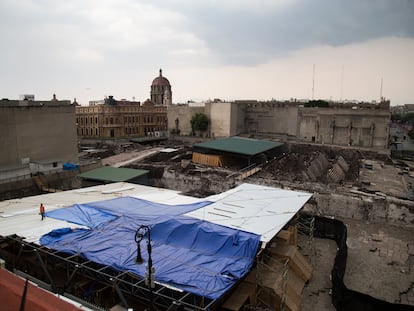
(342, 82)
(381, 91)
(313, 81)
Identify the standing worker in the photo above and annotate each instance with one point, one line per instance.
(42, 211)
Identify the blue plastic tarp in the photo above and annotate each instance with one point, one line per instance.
(95, 213)
(69, 166)
(192, 255)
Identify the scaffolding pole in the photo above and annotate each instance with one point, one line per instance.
(306, 227)
(271, 284)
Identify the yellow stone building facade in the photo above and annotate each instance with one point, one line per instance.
(126, 119)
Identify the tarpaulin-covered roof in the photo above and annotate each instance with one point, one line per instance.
(257, 209)
(113, 174)
(238, 145)
(69, 166)
(190, 254)
(21, 216)
(253, 208)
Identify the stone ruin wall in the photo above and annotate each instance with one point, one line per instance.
(327, 202)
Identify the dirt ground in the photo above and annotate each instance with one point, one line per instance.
(380, 264)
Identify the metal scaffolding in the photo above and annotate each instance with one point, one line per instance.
(271, 284)
(73, 271)
(305, 224)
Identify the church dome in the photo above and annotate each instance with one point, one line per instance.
(160, 81)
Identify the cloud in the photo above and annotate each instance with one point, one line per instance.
(245, 32)
(252, 32)
(349, 72)
(117, 46)
(93, 28)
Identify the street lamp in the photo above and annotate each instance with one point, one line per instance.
(141, 232)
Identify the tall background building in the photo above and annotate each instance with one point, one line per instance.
(161, 94)
(358, 124)
(36, 135)
(113, 118)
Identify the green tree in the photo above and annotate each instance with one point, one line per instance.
(199, 122)
(317, 103)
(403, 117)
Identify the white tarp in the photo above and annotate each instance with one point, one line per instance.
(253, 208)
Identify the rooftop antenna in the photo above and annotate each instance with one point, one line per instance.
(313, 81)
(342, 82)
(381, 91)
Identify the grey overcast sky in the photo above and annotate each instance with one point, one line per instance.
(228, 49)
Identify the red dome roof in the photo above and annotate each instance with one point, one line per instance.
(160, 81)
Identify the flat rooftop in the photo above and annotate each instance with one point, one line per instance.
(113, 174)
(214, 239)
(238, 145)
(258, 209)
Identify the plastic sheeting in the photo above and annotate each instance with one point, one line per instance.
(95, 213)
(190, 254)
(69, 166)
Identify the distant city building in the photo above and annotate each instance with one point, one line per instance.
(37, 136)
(161, 94)
(337, 123)
(96, 102)
(112, 118)
(27, 97)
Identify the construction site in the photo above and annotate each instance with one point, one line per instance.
(320, 228)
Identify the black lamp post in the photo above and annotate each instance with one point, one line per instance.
(141, 232)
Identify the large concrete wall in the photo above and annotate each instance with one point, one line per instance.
(226, 118)
(38, 133)
(271, 117)
(359, 127)
(363, 125)
(9, 155)
(374, 209)
(223, 118)
(183, 114)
